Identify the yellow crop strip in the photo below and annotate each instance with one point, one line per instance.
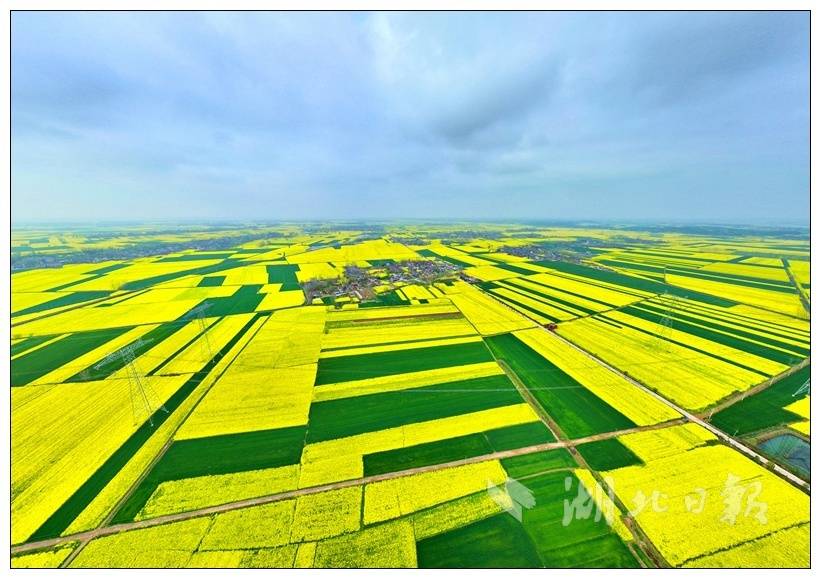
(206, 346)
(694, 316)
(391, 312)
(775, 273)
(631, 401)
(139, 270)
(458, 513)
(398, 497)
(390, 545)
(103, 502)
(20, 301)
(249, 275)
(62, 436)
(485, 313)
(290, 337)
(45, 559)
(406, 380)
(326, 514)
(787, 548)
(166, 546)
(265, 526)
(801, 407)
(604, 503)
(194, 493)
(341, 459)
(89, 318)
(445, 251)
(707, 499)
(365, 251)
(314, 271)
(723, 351)
(490, 273)
(551, 292)
(252, 399)
(666, 367)
(44, 279)
(87, 360)
(262, 389)
(392, 332)
(663, 443)
(537, 304)
(773, 300)
(608, 293)
(398, 346)
(281, 300)
(417, 292)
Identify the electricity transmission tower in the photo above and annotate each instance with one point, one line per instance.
(805, 387)
(198, 312)
(141, 393)
(667, 320)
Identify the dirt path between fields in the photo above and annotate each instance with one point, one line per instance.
(270, 498)
(741, 395)
(797, 285)
(720, 434)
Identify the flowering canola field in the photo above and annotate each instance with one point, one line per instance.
(412, 396)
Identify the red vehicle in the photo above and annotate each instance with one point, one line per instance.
(551, 326)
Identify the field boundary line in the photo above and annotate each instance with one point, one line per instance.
(734, 398)
(270, 498)
(720, 434)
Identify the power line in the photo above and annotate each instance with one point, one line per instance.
(141, 392)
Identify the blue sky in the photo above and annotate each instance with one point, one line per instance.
(615, 116)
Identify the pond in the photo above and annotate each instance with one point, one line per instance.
(791, 449)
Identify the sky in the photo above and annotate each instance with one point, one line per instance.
(285, 116)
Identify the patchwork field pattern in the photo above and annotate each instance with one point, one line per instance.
(426, 396)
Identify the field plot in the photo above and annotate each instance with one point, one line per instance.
(714, 499)
(576, 409)
(414, 395)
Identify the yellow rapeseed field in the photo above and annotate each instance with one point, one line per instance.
(406, 380)
(398, 497)
(487, 315)
(61, 435)
(707, 499)
(670, 369)
(640, 407)
(194, 493)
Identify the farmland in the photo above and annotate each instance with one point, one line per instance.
(410, 395)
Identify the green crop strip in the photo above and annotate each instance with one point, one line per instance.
(28, 343)
(79, 500)
(36, 364)
(538, 463)
(284, 274)
(577, 410)
(458, 448)
(631, 282)
(112, 364)
(608, 455)
(215, 455)
(364, 366)
(765, 409)
(340, 418)
(703, 328)
(213, 281)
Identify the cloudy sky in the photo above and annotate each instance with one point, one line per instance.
(616, 116)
